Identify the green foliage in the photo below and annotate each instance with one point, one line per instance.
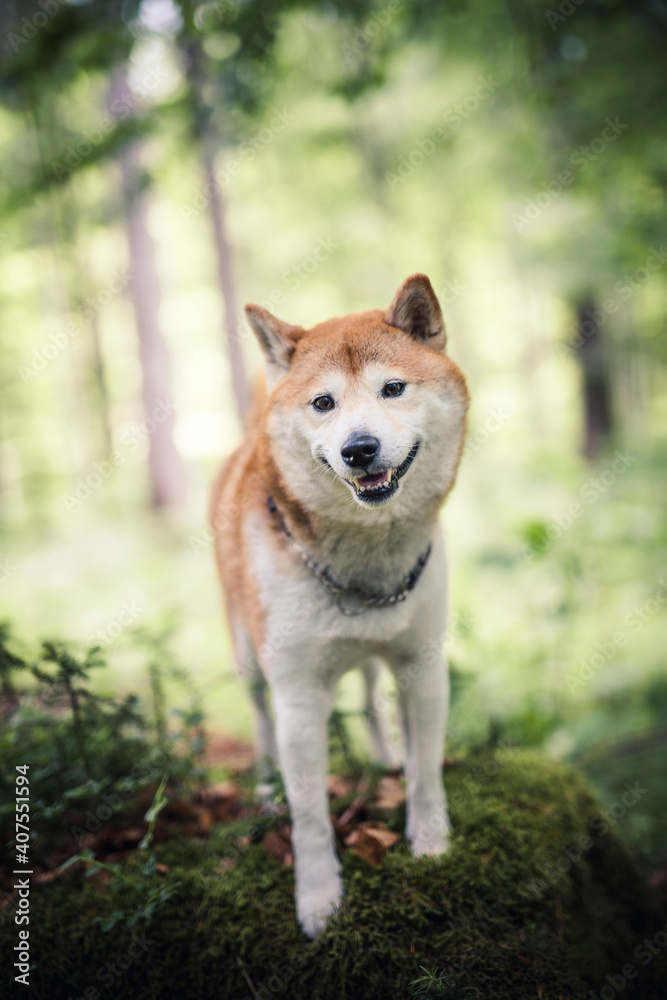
(70, 670)
(159, 802)
(150, 889)
(10, 663)
(535, 535)
(161, 666)
(341, 747)
(435, 984)
(87, 753)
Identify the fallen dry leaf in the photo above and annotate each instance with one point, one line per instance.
(223, 801)
(181, 810)
(339, 787)
(390, 793)
(235, 754)
(371, 842)
(128, 837)
(41, 878)
(278, 843)
(205, 818)
(220, 790)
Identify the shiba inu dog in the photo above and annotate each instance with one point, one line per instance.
(331, 557)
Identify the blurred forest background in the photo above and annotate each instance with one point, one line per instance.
(167, 161)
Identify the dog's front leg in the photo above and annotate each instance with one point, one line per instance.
(301, 729)
(423, 699)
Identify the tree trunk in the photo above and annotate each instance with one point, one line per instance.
(166, 471)
(593, 355)
(103, 402)
(205, 137)
(64, 296)
(226, 284)
(167, 475)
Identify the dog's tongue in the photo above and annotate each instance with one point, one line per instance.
(381, 477)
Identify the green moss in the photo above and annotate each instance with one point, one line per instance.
(495, 912)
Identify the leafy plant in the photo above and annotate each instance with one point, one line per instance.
(70, 669)
(340, 741)
(84, 749)
(162, 666)
(152, 893)
(9, 662)
(437, 984)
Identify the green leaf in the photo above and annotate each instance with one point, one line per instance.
(108, 923)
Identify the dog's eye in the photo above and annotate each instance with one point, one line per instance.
(393, 388)
(323, 403)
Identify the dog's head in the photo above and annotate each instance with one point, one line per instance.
(366, 412)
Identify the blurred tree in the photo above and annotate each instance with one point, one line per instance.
(596, 389)
(208, 144)
(590, 82)
(597, 76)
(52, 51)
(167, 474)
(577, 88)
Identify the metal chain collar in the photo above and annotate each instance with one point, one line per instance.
(353, 602)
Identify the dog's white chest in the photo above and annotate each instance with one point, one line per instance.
(302, 615)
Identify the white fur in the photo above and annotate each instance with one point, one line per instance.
(309, 644)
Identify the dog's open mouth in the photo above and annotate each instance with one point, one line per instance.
(375, 489)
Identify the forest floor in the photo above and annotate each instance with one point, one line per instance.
(538, 896)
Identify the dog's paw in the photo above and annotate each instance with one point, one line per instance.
(430, 844)
(316, 906)
(429, 831)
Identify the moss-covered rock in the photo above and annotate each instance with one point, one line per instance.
(537, 897)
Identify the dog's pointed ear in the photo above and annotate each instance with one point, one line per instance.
(276, 338)
(416, 310)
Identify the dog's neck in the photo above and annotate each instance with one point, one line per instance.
(378, 558)
(372, 557)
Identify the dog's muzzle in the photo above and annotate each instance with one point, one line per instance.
(381, 486)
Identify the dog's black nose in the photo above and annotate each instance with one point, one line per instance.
(360, 450)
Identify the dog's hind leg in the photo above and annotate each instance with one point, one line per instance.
(265, 741)
(377, 708)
